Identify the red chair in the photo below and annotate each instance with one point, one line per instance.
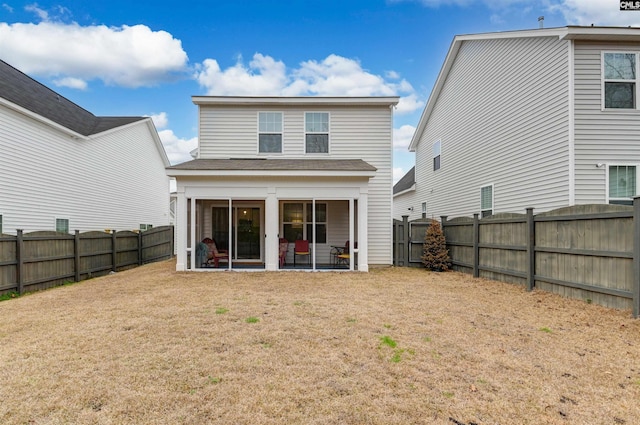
(302, 248)
(215, 255)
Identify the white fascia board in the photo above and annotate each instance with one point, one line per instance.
(40, 118)
(411, 189)
(296, 101)
(271, 173)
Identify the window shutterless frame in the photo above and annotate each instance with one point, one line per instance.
(619, 79)
(486, 201)
(317, 132)
(622, 183)
(270, 132)
(62, 225)
(437, 150)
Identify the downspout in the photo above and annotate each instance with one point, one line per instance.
(571, 106)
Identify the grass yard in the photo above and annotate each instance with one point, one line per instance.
(393, 346)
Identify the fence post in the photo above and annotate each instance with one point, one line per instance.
(113, 251)
(406, 239)
(531, 253)
(139, 248)
(19, 262)
(476, 245)
(76, 255)
(636, 257)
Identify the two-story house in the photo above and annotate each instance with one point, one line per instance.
(542, 118)
(62, 168)
(273, 169)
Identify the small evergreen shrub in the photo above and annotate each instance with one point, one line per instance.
(435, 255)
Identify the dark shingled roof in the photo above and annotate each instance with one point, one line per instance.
(24, 91)
(241, 164)
(405, 182)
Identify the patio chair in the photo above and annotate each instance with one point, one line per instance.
(283, 249)
(301, 248)
(344, 256)
(215, 255)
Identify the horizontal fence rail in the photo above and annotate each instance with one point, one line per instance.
(589, 252)
(40, 260)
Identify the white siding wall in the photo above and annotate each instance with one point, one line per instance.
(402, 203)
(355, 132)
(502, 117)
(114, 181)
(600, 136)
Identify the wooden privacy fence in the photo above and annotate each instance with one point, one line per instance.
(589, 252)
(40, 260)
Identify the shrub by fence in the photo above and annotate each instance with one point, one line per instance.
(40, 260)
(589, 252)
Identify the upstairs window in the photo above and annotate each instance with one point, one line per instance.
(437, 146)
(62, 225)
(620, 80)
(316, 128)
(486, 201)
(270, 132)
(622, 184)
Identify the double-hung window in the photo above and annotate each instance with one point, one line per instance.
(316, 128)
(437, 147)
(297, 221)
(486, 201)
(620, 85)
(622, 184)
(270, 132)
(0, 224)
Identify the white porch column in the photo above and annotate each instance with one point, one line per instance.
(192, 231)
(271, 228)
(181, 231)
(363, 232)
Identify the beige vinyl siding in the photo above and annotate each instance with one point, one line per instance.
(355, 132)
(502, 117)
(610, 136)
(116, 180)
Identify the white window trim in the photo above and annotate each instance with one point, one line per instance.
(258, 132)
(433, 156)
(602, 81)
(493, 203)
(55, 223)
(607, 166)
(328, 133)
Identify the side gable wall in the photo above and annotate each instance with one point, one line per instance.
(116, 180)
(502, 117)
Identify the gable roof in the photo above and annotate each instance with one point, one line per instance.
(261, 166)
(297, 100)
(562, 33)
(406, 183)
(25, 92)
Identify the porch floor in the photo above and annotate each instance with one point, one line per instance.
(260, 266)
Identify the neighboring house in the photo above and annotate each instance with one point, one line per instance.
(62, 168)
(404, 197)
(541, 118)
(300, 168)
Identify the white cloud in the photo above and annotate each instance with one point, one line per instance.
(402, 136)
(597, 12)
(8, 8)
(177, 149)
(130, 56)
(398, 173)
(74, 83)
(333, 76)
(160, 120)
(41, 13)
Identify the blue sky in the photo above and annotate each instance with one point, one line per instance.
(149, 58)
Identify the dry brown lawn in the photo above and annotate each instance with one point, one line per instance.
(393, 346)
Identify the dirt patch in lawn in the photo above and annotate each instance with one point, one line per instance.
(403, 346)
